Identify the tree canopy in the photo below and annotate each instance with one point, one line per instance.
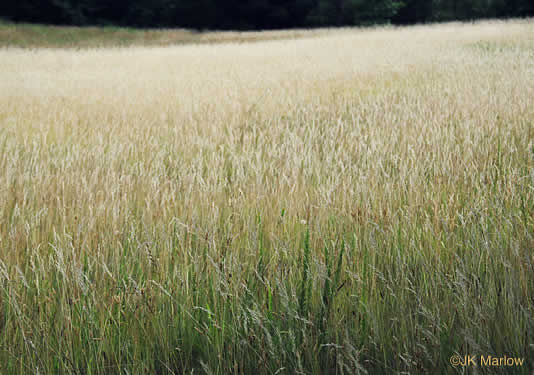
(256, 14)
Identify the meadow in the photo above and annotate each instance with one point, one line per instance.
(28, 36)
(346, 202)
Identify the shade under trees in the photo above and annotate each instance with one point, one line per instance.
(256, 14)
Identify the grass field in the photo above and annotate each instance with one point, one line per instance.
(72, 37)
(352, 201)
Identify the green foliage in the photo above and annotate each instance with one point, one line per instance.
(255, 14)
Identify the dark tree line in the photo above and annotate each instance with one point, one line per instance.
(256, 14)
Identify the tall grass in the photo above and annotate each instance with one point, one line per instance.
(358, 202)
(25, 35)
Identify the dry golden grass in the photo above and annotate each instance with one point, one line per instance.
(331, 123)
(47, 36)
(127, 165)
